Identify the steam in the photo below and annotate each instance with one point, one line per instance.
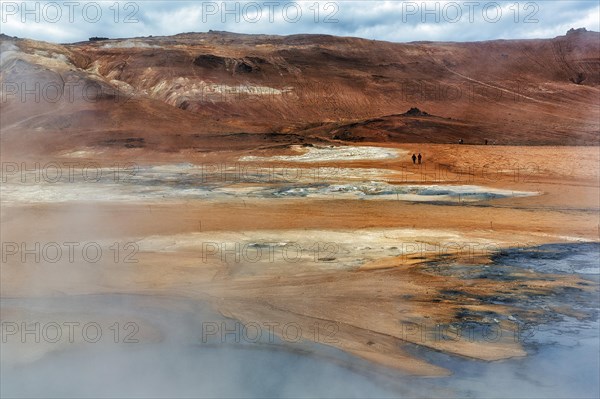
(172, 359)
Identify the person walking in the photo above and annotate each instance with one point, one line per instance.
(414, 158)
(419, 158)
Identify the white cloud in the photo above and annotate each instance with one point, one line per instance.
(383, 20)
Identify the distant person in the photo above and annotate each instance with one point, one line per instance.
(414, 158)
(486, 142)
(419, 158)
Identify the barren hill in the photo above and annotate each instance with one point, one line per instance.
(202, 91)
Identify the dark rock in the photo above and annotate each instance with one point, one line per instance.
(578, 79)
(415, 112)
(244, 67)
(573, 31)
(210, 61)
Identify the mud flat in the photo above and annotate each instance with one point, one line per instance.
(175, 338)
(432, 276)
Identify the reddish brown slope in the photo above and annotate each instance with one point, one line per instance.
(184, 91)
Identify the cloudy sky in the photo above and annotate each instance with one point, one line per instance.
(399, 21)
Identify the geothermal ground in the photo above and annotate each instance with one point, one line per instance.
(470, 254)
(216, 221)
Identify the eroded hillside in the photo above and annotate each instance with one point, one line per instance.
(187, 91)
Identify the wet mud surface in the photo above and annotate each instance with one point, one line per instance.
(364, 281)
